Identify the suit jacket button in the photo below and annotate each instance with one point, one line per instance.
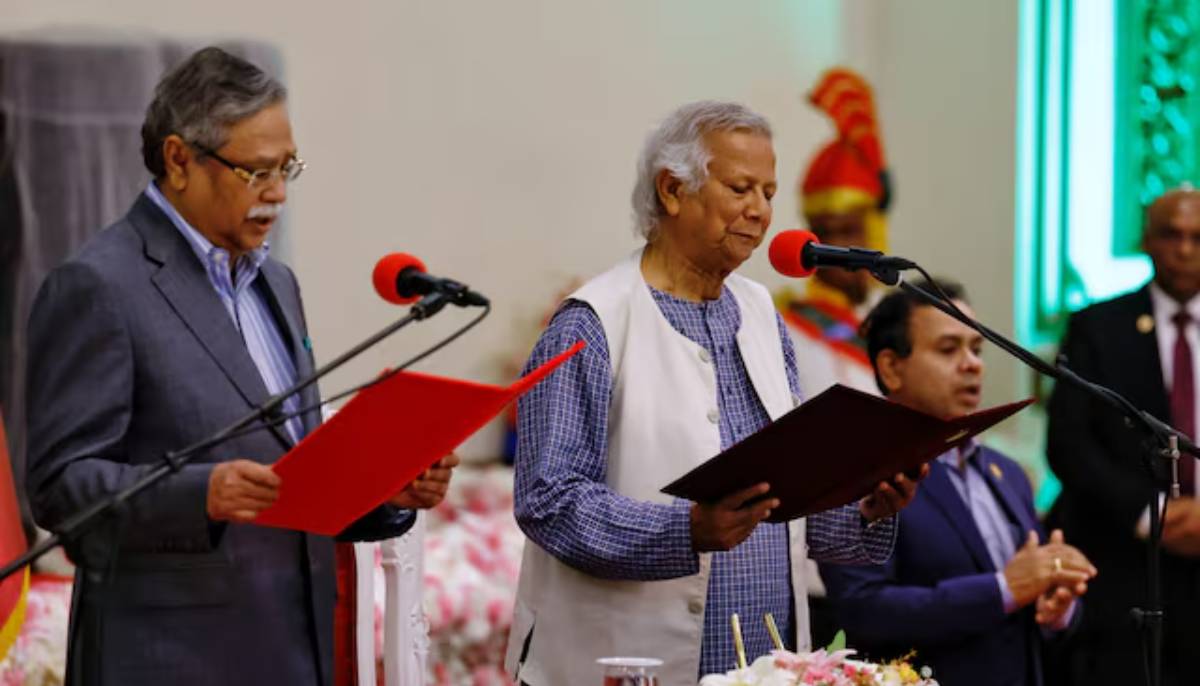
(696, 606)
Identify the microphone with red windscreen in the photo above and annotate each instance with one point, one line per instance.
(787, 251)
(386, 277)
(401, 279)
(798, 254)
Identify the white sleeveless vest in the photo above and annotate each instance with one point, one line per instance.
(663, 422)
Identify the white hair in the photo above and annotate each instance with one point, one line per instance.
(677, 145)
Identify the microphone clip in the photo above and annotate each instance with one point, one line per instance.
(886, 274)
(430, 305)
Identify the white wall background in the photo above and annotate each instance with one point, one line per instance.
(497, 140)
(947, 79)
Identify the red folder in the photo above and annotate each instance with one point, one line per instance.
(832, 450)
(382, 440)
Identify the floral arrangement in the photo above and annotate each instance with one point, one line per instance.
(818, 668)
(39, 656)
(472, 561)
(825, 667)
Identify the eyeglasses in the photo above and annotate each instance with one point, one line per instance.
(290, 170)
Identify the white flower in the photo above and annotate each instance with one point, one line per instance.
(762, 672)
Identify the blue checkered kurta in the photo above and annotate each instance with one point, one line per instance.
(564, 505)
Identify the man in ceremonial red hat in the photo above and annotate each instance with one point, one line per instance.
(843, 196)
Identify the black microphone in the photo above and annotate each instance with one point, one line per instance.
(799, 253)
(401, 279)
(818, 255)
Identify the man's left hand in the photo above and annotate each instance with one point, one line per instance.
(891, 496)
(428, 489)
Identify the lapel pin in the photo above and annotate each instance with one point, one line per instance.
(995, 469)
(307, 343)
(1145, 323)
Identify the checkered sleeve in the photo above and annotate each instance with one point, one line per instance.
(561, 500)
(840, 535)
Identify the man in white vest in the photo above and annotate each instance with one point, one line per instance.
(684, 358)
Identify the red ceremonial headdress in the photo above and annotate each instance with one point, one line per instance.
(848, 173)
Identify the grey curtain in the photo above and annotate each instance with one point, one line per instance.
(71, 109)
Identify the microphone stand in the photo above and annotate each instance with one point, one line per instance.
(1166, 442)
(173, 461)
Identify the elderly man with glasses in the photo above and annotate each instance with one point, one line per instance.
(168, 325)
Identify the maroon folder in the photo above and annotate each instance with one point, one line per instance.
(832, 450)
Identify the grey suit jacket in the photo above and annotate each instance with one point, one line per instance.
(132, 354)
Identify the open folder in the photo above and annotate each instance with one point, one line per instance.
(832, 450)
(382, 440)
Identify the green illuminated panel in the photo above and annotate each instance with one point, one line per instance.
(1107, 106)
(1156, 78)
(1108, 101)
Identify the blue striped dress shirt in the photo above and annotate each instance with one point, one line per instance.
(564, 505)
(247, 306)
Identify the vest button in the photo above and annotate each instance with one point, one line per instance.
(704, 356)
(696, 606)
(714, 416)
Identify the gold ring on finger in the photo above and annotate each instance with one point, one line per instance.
(1058, 565)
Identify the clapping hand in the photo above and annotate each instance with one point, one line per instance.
(1038, 572)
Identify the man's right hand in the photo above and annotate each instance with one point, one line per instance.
(1034, 569)
(239, 489)
(728, 522)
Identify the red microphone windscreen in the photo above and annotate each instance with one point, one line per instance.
(786, 249)
(388, 269)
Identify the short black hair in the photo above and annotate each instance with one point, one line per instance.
(887, 325)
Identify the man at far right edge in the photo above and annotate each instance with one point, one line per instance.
(1144, 345)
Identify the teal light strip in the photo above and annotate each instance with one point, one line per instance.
(1091, 146)
(1054, 169)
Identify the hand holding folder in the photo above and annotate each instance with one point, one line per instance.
(385, 437)
(832, 450)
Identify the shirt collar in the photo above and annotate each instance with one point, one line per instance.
(203, 247)
(1165, 307)
(956, 458)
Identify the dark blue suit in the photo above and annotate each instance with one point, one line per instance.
(131, 355)
(938, 593)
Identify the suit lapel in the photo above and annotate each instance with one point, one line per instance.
(287, 309)
(1139, 348)
(942, 492)
(183, 282)
(1009, 500)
